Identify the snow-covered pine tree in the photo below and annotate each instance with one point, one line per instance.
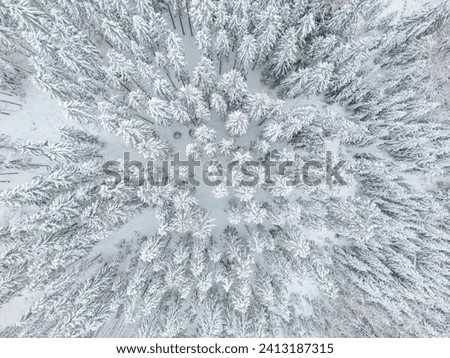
(204, 77)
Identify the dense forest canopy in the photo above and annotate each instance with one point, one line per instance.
(300, 81)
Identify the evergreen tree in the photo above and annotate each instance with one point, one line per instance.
(202, 12)
(284, 57)
(222, 47)
(205, 77)
(246, 53)
(237, 123)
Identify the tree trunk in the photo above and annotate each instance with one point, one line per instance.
(170, 79)
(124, 86)
(189, 18)
(220, 66)
(16, 67)
(140, 87)
(181, 24)
(262, 122)
(9, 102)
(143, 118)
(256, 62)
(171, 18)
